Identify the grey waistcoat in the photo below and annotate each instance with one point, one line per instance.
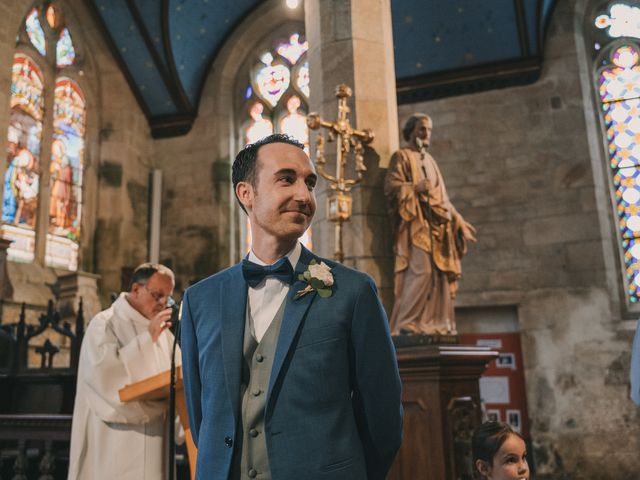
(256, 372)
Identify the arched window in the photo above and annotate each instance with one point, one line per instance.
(275, 100)
(67, 151)
(21, 179)
(617, 79)
(43, 68)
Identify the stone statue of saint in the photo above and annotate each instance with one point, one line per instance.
(430, 237)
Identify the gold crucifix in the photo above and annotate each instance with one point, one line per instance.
(339, 203)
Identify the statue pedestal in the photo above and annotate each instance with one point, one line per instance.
(441, 399)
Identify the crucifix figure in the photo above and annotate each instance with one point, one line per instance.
(339, 205)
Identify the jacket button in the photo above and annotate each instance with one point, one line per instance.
(253, 432)
(228, 441)
(259, 358)
(256, 392)
(253, 473)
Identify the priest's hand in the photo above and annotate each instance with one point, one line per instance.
(159, 323)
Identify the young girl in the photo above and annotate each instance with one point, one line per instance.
(499, 453)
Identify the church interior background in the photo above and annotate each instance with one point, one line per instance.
(535, 103)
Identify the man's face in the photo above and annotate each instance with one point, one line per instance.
(422, 131)
(283, 202)
(151, 298)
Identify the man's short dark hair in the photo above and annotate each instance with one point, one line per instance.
(144, 272)
(244, 166)
(410, 125)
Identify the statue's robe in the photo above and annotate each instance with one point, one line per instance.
(428, 246)
(110, 439)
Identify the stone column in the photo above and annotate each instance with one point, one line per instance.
(73, 286)
(350, 41)
(44, 159)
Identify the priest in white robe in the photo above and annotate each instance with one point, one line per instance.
(128, 342)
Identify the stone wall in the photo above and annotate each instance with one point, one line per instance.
(124, 162)
(518, 165)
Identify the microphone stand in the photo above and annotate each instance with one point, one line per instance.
(175, 323)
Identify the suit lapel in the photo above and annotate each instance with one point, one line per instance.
(233, 302)
(294, 312)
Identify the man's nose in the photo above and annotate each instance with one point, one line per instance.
(302, 192)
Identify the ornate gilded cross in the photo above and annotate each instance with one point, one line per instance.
(339, 203)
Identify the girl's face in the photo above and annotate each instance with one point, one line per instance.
(510, 463)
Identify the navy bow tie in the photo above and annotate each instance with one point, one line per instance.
(254, 273)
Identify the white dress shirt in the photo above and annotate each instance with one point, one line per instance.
(265, 299)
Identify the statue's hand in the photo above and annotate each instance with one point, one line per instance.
(422, 186)
(468, 231)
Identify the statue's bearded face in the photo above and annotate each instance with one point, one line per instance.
(421, 133)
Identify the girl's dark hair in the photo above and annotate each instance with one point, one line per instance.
(487, 440)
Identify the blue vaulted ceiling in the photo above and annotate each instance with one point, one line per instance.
(442, 47)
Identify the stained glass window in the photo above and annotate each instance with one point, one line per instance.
(65, 53)
(293, 49)
(67, 152)
(302, 78)
(21, 179)
(35, 32)
(621, 21)
(294, 123)
(619, 89)
(272, 80)
(276, 99)
(258, 127)
(53, 16)
(21, 184)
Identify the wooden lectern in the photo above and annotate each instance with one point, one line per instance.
(441, 400)
(157, 388)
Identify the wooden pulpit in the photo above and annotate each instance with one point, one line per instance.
(157, 388)
(441, 400)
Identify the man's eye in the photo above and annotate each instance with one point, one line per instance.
(286, 179)
(311, 185)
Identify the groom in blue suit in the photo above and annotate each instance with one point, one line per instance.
(289, 368)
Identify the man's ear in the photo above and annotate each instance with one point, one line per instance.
(245, 193)
(135, 290)
(483, 468)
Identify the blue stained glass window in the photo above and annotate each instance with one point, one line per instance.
(619, 89)
(66, 168)
(27, 120)
(22, 178)
(65, 53)
(35, 32)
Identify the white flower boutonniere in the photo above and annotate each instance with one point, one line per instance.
(318, 277)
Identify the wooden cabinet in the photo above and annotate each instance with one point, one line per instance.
(441, 400)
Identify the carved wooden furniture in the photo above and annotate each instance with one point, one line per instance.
(441, 400)
(37, 398)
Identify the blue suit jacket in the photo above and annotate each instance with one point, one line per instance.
(334, 402)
